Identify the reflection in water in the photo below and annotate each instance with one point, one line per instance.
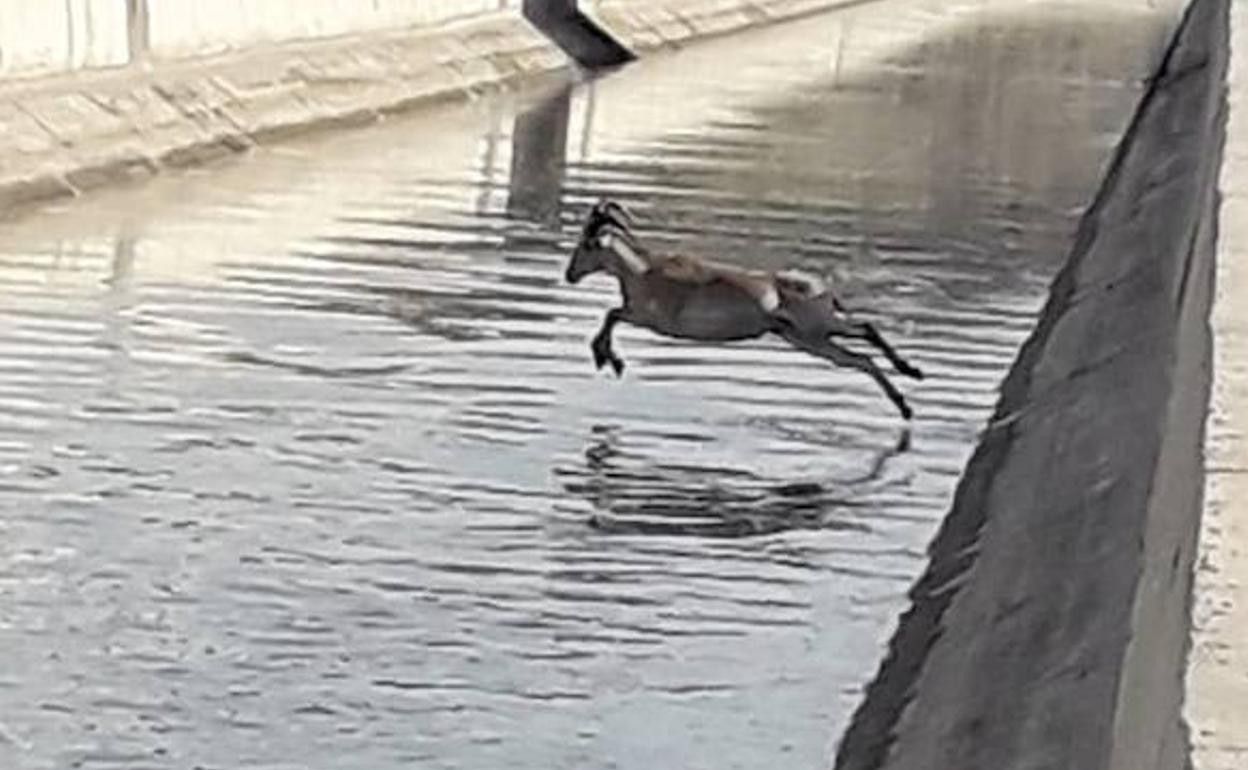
(307, 464)
(539, 145)
(701, 501)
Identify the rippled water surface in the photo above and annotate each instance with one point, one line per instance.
(304, 462)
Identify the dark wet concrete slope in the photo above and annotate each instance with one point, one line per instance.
(1050, 628)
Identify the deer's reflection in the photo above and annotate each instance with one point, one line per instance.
(631, 495)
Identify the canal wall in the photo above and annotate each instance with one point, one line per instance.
(101, 91)
(1216, 706)
(38, 37)
(1051, 628)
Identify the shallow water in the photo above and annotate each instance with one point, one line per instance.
(304, 463)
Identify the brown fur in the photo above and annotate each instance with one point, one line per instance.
(690, 298)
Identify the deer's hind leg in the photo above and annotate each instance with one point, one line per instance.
(866, 331)
(840, 356)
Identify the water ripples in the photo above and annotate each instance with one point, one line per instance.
(304, 463)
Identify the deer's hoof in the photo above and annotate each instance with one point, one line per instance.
(618, 365)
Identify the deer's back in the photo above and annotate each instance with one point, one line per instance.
(691, 299)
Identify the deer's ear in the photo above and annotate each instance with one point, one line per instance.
(619, 215)
(605, 239)
(613, 212)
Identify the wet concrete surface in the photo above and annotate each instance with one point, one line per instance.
(305, 463)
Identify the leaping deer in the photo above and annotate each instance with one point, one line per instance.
(695, 299)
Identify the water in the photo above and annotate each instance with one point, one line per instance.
(304, 463)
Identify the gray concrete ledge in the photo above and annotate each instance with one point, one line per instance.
(65, 134)
(1051, 627)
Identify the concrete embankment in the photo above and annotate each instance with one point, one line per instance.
(1217, 682)
(1051, 627)
(191, 94)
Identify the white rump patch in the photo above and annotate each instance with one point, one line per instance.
(813, 284)
(770, 299)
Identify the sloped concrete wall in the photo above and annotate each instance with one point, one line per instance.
(39, 37)
(1050, 630)
(192, 27)
(62, 135)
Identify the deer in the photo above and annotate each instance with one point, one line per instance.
(691, 298)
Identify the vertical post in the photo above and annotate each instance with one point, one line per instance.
(137, 30)
(588, 44)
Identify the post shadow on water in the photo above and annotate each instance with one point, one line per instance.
(539, 147)
(530, 227)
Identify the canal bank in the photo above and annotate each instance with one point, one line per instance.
(85, 110)
(1217, 699)
(1051, 628)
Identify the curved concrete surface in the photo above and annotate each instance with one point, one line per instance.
(1050, 630)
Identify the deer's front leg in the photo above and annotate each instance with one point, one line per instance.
(601, 346)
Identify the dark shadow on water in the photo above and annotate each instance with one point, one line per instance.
(539, 145)
(648, 498)
(529, 230)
